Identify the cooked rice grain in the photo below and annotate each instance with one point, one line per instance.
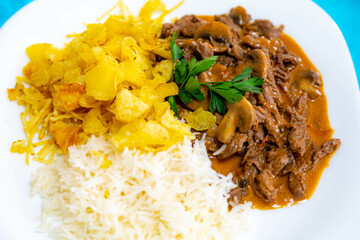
(173, 194)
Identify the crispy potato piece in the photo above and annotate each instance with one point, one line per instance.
(147, 94)
(141, 133)
(165, 116)
(68, 96)
(92, 124)
(15, 93)
(95, 34)
(128, 107)
(65, 135)
(100, 81)
(163, 69)
(130, 71)
(167, 89)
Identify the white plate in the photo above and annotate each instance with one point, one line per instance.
(332, 212)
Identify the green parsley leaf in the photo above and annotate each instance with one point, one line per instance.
(226, 91)
(192, 84)
(193, 87)
(217, 103)
(180, 71)
(184, 96)
(197, 94)
(176, 51)
(173, 107)
(197, 67)
(250, 85)
(244, 75)
(191, 63)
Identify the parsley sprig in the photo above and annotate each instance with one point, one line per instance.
(183, 74)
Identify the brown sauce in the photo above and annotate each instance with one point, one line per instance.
(319, 130)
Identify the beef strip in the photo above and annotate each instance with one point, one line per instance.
(264, 185)
(236, 145)
(281, 161)
(269, 100)
(326, 149)
(296, 183)
(274, 131)
(237, 194)
(211, 144)
(203, 49)
(248, 174)
(251, 155)
(244, 176)
(280, 75)
(226, 61)
(304, 163)
(259, 133)
(261, 114)
(298, 135)
(302, 106)
(287, 61)
(167, 30)
(250, 41)
(188, 53)
(274, 119)
(267, 29)
(188, 24)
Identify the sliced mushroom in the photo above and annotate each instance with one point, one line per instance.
(240, 115)
(237, 52)
(211, 132)
(308, 80)
(227, 126)
(239, 15)
(218, 33)
(185, 43)
(247, 115)
(258, 60)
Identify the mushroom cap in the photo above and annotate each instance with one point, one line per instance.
(239, 15)
(240, 115)
(218, 33)
(247, 115)
(227, 127)
(308, 80)
(258, 60)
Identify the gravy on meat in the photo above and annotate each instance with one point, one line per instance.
(279, 142)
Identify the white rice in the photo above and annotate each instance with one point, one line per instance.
(174, 194)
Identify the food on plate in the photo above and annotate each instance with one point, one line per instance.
(119, 164)
(277, 142)
(170, 131)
